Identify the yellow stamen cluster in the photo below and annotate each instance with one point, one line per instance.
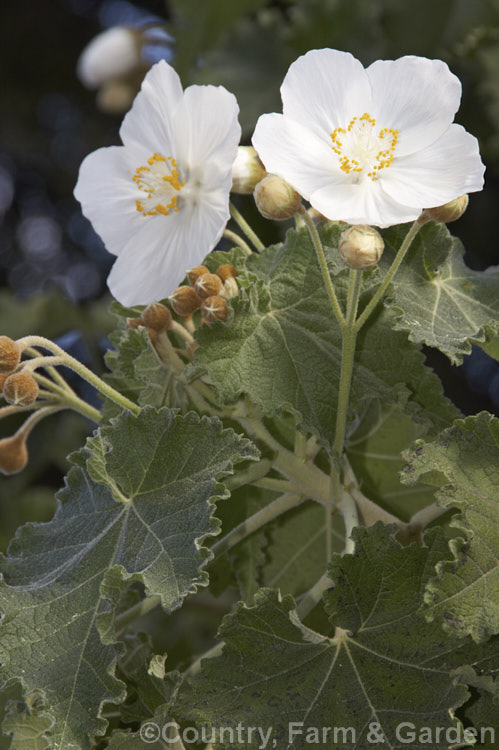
(382, 159)
(154, 180)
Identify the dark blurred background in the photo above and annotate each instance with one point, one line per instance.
(53, 266)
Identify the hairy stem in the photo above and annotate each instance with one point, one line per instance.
(238, 241)
(404, 247)
(321, 258)
(271, 511)
(245, 227)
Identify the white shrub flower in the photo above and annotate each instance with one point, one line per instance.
(111, 54)
(370, 146)
(160, 202)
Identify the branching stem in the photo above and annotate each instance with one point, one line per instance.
(245, 227)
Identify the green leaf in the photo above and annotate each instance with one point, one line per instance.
(27, 724)
(149, 735)
(136, 509)
(385, 666)
(482, 710)
(283, 345)
(438, 299)
(465, 594)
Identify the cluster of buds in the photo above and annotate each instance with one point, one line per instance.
(207, 292)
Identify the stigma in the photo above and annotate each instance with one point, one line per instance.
(160, 180)
(362, 151)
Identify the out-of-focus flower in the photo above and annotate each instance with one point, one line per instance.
(160, 202)
(370, 146)
(114, 53)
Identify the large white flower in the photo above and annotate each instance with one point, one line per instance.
(370, 146)
(160, 202)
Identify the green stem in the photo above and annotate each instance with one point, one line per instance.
(316, 240)
(238, 241)
(245, 227)
(195, 667)
(253, 523)
(404, 247)
(67, 397)
(63, 358)
(248, 476)
(347, 359)
(138, 610)
(277, 485)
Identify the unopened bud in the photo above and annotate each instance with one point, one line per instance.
(193, 274)
(115, 97)
(275, 199)
(134, 322)
(214, 308)
(208, 285)
(10, 354)
(111, 54)
(449, 212)
(184, 301)
(226, 271)
(247, 171)
(13, 454)
(21, 389)
(157, 317)
(230, 289)
(361, 247)
(3, 378)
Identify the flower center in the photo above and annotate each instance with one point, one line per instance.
(361, 149)
(160, 181)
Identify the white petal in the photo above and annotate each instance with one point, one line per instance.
(149, 126)
(107, 195)
(364, 203)
(207, 132)
(296, 154)
(416, 96)
(439, 173)
(155, 260)
(324, 89)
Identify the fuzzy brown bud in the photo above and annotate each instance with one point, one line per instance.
(10, 354)
(226, 271)
(214, 308)
(21, 389)
(247, 171)
(361, 247)
(275, 199)
(184, 301)
(134, 322)
(13, 454)
(449, 212)
(208, 285)
(193, 274)
(157, 317)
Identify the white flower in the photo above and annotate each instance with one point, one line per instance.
(160, 202)
(113, 53)
(370, 146)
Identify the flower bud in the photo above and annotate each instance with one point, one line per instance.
(214, 308)
(247, 171)
(449, 212)
(275, 199)
(226, 271)
(13, 454)
(193, 274)
(134, 322)
(230, 289)
(10, 354)
(21, 389)
(184, 301)
(361, 247)
(208, 285)
(157, 317)
(115, 97)
(111, 54)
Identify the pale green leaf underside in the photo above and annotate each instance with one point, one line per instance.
(137, 510)
(283, 345)
(440, 301)
(274, 671)
(465, 593)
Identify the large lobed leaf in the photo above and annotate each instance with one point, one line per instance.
(386, 665)
(464, 595)
(439, 300)
(283, 345)
(136, 506)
